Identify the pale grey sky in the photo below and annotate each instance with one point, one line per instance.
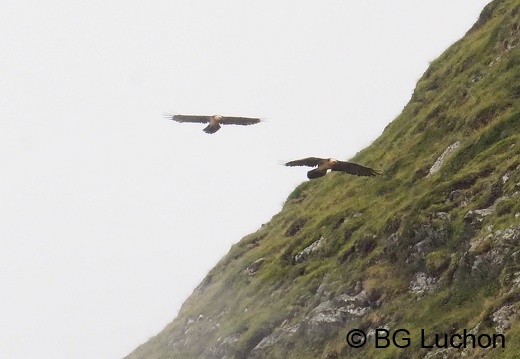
(110, 215)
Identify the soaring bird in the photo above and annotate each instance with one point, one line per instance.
(325, 164)
(214, 121)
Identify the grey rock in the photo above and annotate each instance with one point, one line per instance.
(443, 215)
(323, 321)
(279, 334)
(477, 215)
(498, 248)
(438, 163)
(441, 353)
(422, 284)
(309, 251)
(458, 196)
(330, 316)
(224, 349)
(426, 237)
(255, 266)
(503, 317)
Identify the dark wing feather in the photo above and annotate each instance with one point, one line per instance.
(354, 169)
(211, 128)
(316, 173)
(190, 118)
(244, 121)
(309, 161)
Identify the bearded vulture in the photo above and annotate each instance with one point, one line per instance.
(214, 121)
(325, 164)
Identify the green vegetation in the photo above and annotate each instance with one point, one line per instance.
(420, 248)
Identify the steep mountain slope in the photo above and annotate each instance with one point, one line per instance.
(432, 244)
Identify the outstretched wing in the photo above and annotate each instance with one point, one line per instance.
(354, 169)
(309, 161)
(244, 121)
(189, 118)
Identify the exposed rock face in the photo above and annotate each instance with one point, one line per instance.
(225, 349)
(478, 215)
(437, 165)
(459, 197)
(255, 266)
(280, 334)
(503, 318)
(422, 284)
(309, 251)
(443, 215)
(324, 321)
(427, 236)
(193, 332)
(329, 316)
(492, 251)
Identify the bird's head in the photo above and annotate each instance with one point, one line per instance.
(217, 118)
(333, 161)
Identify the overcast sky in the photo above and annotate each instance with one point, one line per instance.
(110, 215)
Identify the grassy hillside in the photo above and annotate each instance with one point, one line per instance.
(413, 249)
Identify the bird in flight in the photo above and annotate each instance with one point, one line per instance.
(214, 121)
(325, 164)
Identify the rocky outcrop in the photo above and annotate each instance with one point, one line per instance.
(478, 215)
(323, 321)
(331, 315)
(490, 253)
(422, 283)
(309, 251)
(427, 236)
(503, 317)
(438, 163)
(255, 266)
(224, 349)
